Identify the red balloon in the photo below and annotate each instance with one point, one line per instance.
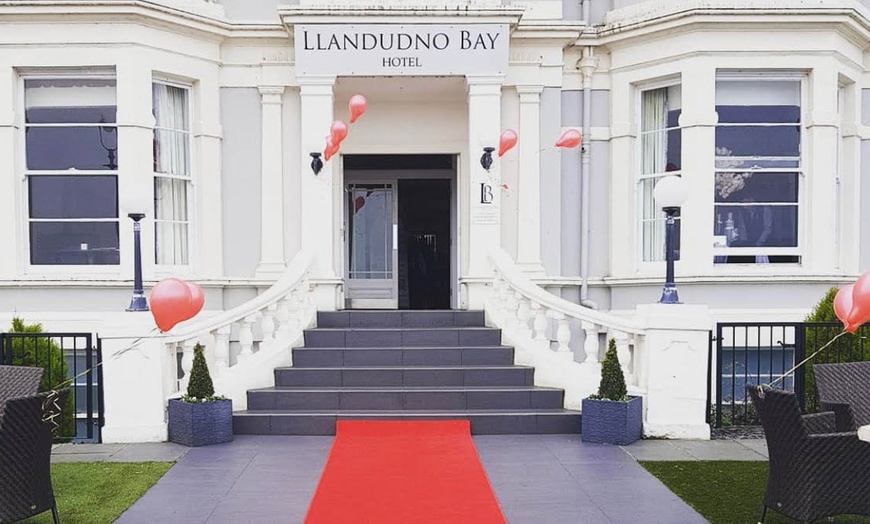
(860, 312)
(843, 305)
(328, 151)
(507, 141)
(171, 302)
(338, 131)
(570, 138)
(356, 106)
(197, 299)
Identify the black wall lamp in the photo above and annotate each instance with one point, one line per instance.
(316, 163)
(486, 158)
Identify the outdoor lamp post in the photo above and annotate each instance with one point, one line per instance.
(138, 303)
(669, 194)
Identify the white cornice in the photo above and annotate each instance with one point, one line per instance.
(293, 14)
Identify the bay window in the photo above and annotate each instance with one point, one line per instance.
(171, 174)
(660, 144)
(757, 170)
(71, 167)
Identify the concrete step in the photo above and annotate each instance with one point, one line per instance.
(398, 319)
(483, 422)
(402, 337)
(404, 398)
(422, 356)
(404, 376)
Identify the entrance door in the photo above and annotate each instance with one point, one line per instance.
(372, 245)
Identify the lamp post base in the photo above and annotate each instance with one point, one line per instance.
(669, 295)
(138, 303)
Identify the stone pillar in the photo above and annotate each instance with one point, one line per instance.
(673, 359)
(529, 181)
(9, 177)
(484, 230)
(318, 199)
(272, 262)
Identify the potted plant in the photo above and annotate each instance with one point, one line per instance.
(611, 416)
(200, 418)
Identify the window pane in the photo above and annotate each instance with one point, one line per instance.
(88, 243)
(76, 101)
(757, 225)
(371, 232)
(758, 140)
(73, 196)
(749, 187)
(760, 92)
(63, 148)
(170, 199)
(171, 152)
(661, 151)
(170, 245)
(170, 107)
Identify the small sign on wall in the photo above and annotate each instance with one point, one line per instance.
(396, 50)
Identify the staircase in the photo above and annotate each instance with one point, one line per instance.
(411, 365)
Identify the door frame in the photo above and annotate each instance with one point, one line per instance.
(394, 175)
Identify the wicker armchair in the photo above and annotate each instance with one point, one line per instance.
(25, 456)
(844, 388)
(810, 475)
(18, 381)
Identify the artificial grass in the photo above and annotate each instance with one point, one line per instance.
(98, 492)
(724, 492)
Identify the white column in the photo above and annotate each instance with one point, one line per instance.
(10, 176)
(272, 262)
(484, 122)
(208, 136)
(529, 184)
(820, 243)
(318, 212)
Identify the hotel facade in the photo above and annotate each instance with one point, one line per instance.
(211, 117)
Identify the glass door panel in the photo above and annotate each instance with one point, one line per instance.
(371, 245)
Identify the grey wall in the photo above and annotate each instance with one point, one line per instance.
(258, 10)
(572, 10)
(572, 107)
(598, 10)
(551, 177)
(240, 117)
(81, 299)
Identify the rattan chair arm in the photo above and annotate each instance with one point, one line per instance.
(824, 422)
(843, 414)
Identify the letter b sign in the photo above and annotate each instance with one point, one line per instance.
(485, 193)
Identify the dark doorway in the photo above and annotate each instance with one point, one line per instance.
(424, 244)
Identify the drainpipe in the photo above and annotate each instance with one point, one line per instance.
(587, 66)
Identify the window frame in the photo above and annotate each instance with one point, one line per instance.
(639, 177)
(24, 236)
(802, 78)
(190, 179)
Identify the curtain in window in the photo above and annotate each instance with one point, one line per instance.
(172, 160)
(654, 112)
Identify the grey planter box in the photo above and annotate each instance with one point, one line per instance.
(609, 422)
(200, 424)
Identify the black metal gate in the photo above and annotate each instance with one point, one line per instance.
(64, 356)
(761, 352)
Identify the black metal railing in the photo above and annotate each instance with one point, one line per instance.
(64, 356)
(762, 353)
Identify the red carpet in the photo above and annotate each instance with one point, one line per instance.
(403, 472)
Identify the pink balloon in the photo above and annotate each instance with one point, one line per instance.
(171, 301)
(843, 304)
(570, 138)
(356, 106)
(507, 141)
(338, 131)
(331, 149)
(197, 300)
(860, 312)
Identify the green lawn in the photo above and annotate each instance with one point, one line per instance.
(98, 492)
(724, 492)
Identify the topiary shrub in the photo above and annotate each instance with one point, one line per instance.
(43, 352)
(848, 348)
(612, 386)
(200, 387)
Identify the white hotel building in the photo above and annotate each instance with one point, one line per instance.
(203, 115)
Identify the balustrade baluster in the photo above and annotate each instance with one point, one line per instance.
(623, 353)
(246, 336)
(511, 305)
(282, 315)
(267, 325)
(590, 345)
(563, 336)
(523, 312)
(222, 349)
(186, 363)
(540, 323)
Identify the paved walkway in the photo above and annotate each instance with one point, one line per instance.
(537, 478)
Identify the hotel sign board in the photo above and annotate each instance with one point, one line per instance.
(394, 50)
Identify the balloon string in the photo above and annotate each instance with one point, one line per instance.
(804, 361)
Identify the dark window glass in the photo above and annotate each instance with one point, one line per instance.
(758, 114)
(66, 243)
(70, 115)
(759, 140)
(79, 196)
(63, 148)
(748, 187)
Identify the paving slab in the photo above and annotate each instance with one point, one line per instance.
(718, 450)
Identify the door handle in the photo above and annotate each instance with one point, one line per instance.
(395, 237)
